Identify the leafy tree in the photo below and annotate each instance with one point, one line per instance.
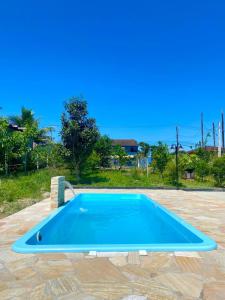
(30, 135)
(93, 161)
(171, 172)
(7, 142)
(104, 149)
(120, 154)
(203, 154)
(26, 139)
(202, 168)
(202, 163)
(160, 156)
(144, 152)
(187, 162)
(57, 154)
(218, 170)
(79, 133)
(26, 118)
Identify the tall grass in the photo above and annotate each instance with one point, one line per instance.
(19, 191)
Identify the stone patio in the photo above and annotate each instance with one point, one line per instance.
(127, 276)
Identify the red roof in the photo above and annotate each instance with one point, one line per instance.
(124, 142)
(207, 148)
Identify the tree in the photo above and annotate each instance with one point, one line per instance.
(120, 154)
(202, 163)
(202, 168)
(31, 133)
(26, 139)
(144, 152)
(26, 118)
(7, 143)
(103, 148)
(203, 154)
(79, 133)
(218, 170)
(160, 156)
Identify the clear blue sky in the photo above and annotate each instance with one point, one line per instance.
(143, 66)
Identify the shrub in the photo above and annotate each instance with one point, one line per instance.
(202, 168)
(218, 171)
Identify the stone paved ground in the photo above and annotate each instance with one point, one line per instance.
(127, 276)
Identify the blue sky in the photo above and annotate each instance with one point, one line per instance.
(143, 66)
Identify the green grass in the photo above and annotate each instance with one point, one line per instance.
(132, 178)
(116, 178)
(19, 191)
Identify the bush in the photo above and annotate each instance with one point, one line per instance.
(92, 162)
(171, 173)
(218, 171)
(202, 168)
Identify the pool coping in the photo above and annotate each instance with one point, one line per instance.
(207, 243)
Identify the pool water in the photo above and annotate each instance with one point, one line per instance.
(113, 222)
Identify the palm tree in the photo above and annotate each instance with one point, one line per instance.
(26, 118)
(31, 132)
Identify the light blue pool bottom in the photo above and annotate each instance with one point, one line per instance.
(112, 222)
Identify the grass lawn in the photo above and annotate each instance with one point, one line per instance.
(131, 178)
(19, 191)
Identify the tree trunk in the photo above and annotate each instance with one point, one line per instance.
(37, 165)
(147, 165)
(77, 172)
(25, 162)
(6, 164)
(47, 161)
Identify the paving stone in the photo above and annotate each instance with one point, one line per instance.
(214, 291)
(75, 256)
(40, 293)
(11, 293)
(62, 285)
(21, 263)
(3, 285)
(155, 262)
(154, 290)
(118, 261)
(51, 256)
(97, 270)
(105, 290)
(187, 284)
(135, 297)
(133, 258)
(135, 273)
(75, 296)
(189, 264)
(53, 269)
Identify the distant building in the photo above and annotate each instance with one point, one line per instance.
(15, 127)
(209, 149)
(130, 146)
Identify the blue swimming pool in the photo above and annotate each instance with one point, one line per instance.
(112, 222)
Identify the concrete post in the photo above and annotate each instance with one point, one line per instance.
(57, 191)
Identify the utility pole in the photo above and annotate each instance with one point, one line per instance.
(177, 147)
(214, 134)
(219, 142)
(222, 117)
(202, 131)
